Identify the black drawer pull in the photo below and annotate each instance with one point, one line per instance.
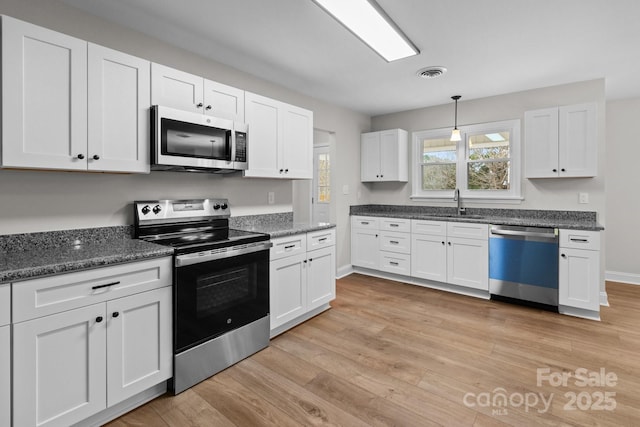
(393, 242)
(105, 285)
(322, 240)
(364, 222)
(393, 263)
(289, 246)
(573, 239)
(394, 225)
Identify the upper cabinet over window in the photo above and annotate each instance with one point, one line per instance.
(280, 139)
(561, 142)
(384, 156)
(71, 105)
(184, 91)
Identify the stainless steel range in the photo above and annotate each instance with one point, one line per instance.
(221, 284)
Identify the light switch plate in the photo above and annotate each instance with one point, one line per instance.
(271, 197)
(583, 198)
(345, 189)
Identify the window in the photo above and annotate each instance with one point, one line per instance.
(323, 189)
(484, 165)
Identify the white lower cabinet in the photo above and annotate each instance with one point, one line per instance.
(301, 278)
(451, 252)
(73, 363)
(5, 355)
(579, 272)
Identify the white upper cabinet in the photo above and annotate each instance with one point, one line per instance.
(68, 104)
(384, 156)
(280, 139)
(561, 142)
(119, 101)
(44, 98)
(183, 91)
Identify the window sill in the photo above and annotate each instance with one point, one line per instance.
(513, 200)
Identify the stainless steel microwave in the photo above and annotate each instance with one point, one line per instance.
(186, 141)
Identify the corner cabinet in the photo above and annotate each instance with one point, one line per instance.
(384, 156)
(579, 273)
(5, 355)
(71, 105)
(280, 139)
(85, 341)
(302, 277)
(561, 142)
(183, 91)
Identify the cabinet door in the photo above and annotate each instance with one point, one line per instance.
(541, 143)
(223, 101)
(139, 343)
(59, 367)
(468, 263)
(288, 293)
(429, 257)
(263, 117)
(364, 248)
(176, 89)
(578, 150)
(579, 279)
(44, 98)
(297, 142)
(5, 376)
(370, 157)
(390, 162)
(321, 277)
(119, 101)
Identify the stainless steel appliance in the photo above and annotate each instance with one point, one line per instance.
(186, 141)
(523, 264)
(221, 284)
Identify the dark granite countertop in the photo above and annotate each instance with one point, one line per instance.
(27, 256)
(575, 220)
(276, 225)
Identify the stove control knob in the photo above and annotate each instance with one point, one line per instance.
(146, 209)
(216, 206)
(156, 209)
(224, 206)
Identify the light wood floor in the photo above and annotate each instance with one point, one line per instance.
(395, 354)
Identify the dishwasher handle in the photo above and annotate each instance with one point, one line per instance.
(502, 232)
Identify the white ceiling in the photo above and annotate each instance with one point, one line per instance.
(490, 47)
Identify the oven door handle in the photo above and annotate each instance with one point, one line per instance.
(200, 257)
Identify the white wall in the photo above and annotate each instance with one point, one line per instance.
(623, 202)
(40, 201)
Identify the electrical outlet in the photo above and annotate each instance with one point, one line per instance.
(583, 198)
(345, 189)
(271, 196)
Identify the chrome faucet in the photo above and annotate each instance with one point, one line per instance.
(457, 198)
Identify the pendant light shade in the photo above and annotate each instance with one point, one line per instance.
(455, 133)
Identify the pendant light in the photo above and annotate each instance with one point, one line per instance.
(455, 133)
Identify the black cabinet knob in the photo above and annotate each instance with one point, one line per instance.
(443, 243)
(208, 107)
(563, 170)
(563, 256)
(449, 243)
(555, 170)
(281, 170)
(199, 104)
(98, 319)
(115, 314)
(96, 157)
(286, 171)
(80, 156)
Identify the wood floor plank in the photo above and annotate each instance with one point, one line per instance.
(389, 353)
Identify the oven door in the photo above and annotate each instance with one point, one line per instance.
(183, 138)
(217, 293)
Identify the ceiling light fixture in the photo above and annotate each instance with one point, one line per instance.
(367, 21)
(455, 133)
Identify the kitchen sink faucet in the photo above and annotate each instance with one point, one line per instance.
(456, 198)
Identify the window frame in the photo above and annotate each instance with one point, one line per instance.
(514, 194)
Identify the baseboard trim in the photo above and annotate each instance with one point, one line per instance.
(604, 299)
(618, 276)
(344, 271)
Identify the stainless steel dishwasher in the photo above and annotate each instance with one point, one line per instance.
(523, 264)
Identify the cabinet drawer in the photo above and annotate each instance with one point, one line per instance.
(579, 239)
(395, 224)
(288, 246)
(321, 239)
(436, 228)
(467, 230)
(49, 295)
(364, 222)
(5, 304)
(395, 242)
(395, 263)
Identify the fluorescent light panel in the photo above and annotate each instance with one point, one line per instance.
(370, 24)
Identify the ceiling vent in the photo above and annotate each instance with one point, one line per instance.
(431, 72)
